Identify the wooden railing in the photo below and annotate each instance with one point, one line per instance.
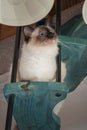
(68, 3)
(65, 4)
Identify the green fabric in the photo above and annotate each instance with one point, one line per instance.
(33, 107)
(75, 28)
(74, 55)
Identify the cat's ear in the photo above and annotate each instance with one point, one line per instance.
(27, 30)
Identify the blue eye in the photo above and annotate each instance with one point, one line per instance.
(42, 34)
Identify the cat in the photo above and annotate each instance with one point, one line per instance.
(37, 61)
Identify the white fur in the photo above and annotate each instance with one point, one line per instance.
(38, 63)
(63, 71)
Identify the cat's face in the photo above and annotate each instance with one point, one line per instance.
(40, 36)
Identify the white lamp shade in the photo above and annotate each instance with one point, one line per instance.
(84, 11)
(23, 12)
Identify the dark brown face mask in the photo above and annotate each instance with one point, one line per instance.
(44, 33)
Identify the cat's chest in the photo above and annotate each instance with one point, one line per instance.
(37, 65)
(40, 58)
(37, 62)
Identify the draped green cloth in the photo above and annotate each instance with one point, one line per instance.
(74, 55)
(75, 28)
